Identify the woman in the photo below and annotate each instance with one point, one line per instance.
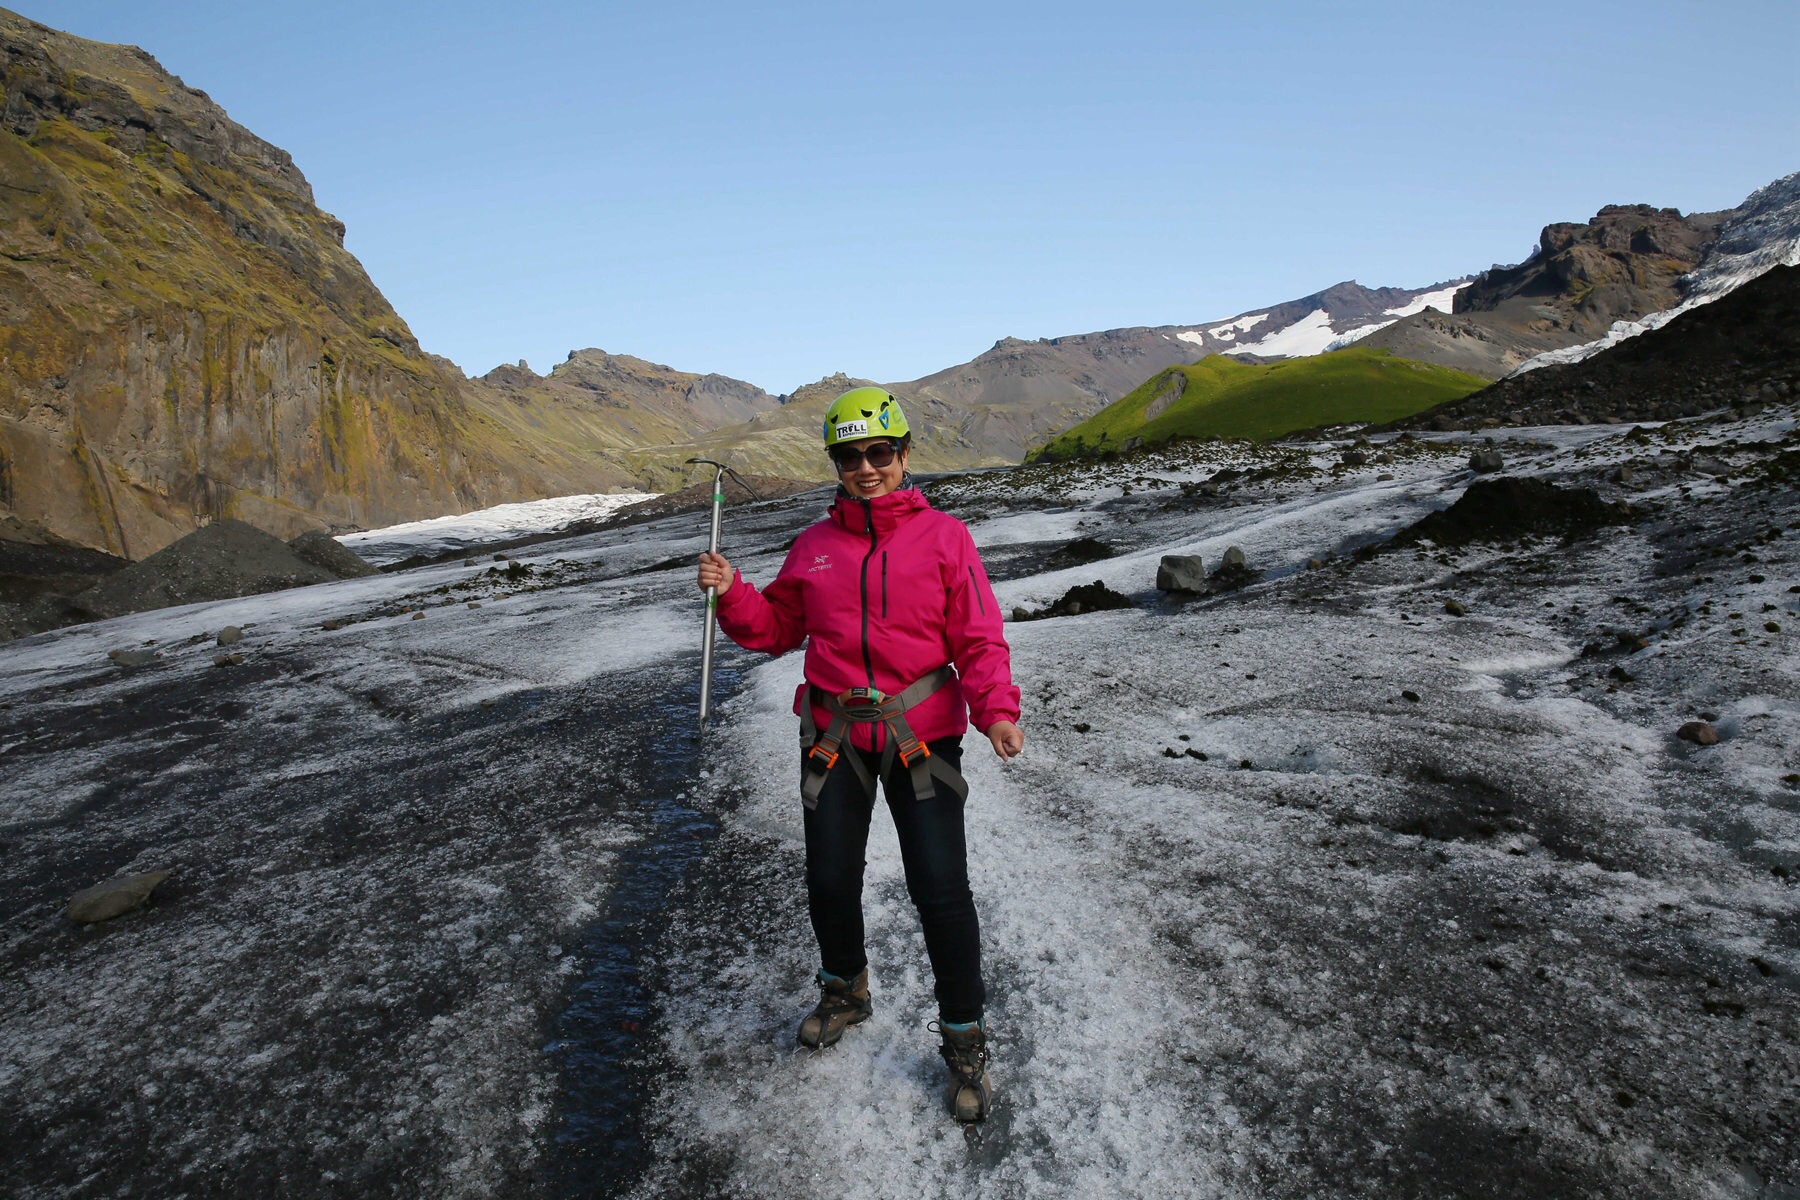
(903, 645)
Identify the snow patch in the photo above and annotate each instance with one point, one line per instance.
(1229, 331)
(1442, 300)
(1311, 334)
(443, 534)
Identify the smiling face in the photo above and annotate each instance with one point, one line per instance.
(862, 478)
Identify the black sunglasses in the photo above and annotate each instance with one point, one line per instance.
(849, 458)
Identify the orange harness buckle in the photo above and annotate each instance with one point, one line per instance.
(915, 749)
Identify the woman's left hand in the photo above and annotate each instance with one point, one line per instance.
(1008, 738)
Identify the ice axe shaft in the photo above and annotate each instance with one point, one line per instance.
(712, 593)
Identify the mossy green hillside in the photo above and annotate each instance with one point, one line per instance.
(1221, 397)
(185, 336)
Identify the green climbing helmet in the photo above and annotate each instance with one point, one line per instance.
(864, 412)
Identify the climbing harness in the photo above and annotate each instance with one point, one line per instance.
(869, 706)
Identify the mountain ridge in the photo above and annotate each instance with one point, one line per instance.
(186, 338)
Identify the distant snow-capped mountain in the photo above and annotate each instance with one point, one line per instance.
(1320, 329)
(1020, 392)
(1761, 233)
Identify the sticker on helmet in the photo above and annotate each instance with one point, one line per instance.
(852, 429)
(884, 416)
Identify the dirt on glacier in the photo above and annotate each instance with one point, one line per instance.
(1312, 888)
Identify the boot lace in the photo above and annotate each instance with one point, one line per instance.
(967, 1063)
(835, 999)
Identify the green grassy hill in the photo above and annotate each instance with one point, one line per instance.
(1221, 397)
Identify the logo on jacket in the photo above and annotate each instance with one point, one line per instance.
(820, 562)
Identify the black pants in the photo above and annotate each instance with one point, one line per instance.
(937, 876)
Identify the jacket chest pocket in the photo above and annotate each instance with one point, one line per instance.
(911, 601)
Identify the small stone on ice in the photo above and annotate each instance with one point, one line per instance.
(113, 898)
(1699, 733)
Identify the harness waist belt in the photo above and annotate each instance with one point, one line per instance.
(869, 706)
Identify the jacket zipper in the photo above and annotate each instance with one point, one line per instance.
(869, 523)
(884, 585)
(976, 588)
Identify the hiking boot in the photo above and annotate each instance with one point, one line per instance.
(969, 1094)
(842, 1003)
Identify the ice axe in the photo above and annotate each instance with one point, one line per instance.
(712, 593)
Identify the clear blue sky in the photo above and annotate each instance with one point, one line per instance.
(778, 191)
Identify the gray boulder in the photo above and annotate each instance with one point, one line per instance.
(1181, 573)
(1485, 460)
(114, 898)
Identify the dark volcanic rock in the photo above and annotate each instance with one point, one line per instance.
(1698, 732)
(53, 559)
(1501, 509)
(1745, 344)
(1084, 598)
(1231, 575)
(215, 562)
(1627, 262)
(38, 574)
(323, 550)
(1077, 553)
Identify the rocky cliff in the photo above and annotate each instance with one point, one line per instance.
(1625, 263)
(184, 335)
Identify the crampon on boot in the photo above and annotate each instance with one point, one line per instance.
(969, 1094)
(842, 1003)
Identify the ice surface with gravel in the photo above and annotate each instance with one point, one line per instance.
(1307, 888)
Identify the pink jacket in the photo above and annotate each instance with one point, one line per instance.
(884, 592)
